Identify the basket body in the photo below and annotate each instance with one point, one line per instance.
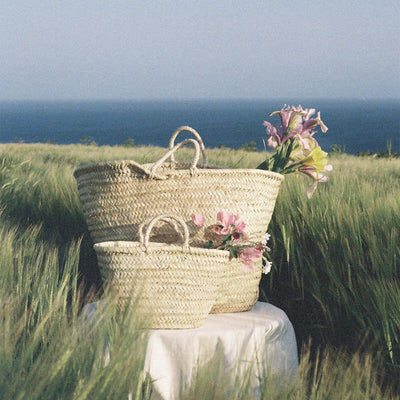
(175, 288)
(117, 196)
(239, 289)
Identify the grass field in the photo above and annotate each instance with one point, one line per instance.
(336, 274)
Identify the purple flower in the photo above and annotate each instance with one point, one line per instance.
(296, 150)
(309, 124)
(294, 121)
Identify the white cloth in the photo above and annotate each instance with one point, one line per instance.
(260, 338)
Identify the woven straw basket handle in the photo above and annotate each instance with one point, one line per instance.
(144, 238)
(171, 152)
(196, 135)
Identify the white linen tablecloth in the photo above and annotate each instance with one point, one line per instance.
(260, 338)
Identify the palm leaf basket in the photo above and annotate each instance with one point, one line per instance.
(117, 196)
(173, 286)
(239, 289)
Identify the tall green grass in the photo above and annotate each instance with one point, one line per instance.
(337, 258)
(47, 350)
(336, 275)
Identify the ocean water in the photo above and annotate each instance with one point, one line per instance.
(356, 125)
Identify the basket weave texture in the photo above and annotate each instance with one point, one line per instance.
(117, 196)
(174, 286)
(239, 289)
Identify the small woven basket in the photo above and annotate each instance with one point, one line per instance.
(239, 289)
(117, 196)
(173, 286)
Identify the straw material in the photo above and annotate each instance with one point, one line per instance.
(239, 289)
(175, 286)
(117, 196)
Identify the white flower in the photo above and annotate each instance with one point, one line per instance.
(266, 269)
(264, 240)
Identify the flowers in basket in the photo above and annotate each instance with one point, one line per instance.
(294, 145)
(228, 234)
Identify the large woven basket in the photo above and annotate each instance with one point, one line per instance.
(172, 286)
(117, 196)
(239, 289)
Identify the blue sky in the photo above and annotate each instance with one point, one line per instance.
(98, 49)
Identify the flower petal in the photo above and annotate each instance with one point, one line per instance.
(240, 226)
(267, 267)
(222, 218)
(311, 189)
(198, 219)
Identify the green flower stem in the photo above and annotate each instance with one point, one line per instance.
(280, 161)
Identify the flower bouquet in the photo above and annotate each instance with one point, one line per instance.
(228, 234)
(239, 287)
(295, 151)
(294, 145)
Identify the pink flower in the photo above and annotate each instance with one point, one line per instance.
(217, 230)
(224, 220)
(198, 219)
(247, 256)
(317, 177)
(240, 226)
(230, 223)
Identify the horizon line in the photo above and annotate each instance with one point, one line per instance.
(196, 99)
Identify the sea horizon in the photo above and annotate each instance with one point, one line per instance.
(355, 125)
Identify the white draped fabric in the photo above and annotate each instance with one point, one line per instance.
(262, 339)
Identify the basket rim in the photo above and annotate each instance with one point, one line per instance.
(130, 247)
(204, 169)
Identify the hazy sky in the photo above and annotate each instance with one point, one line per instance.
(116, 49)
